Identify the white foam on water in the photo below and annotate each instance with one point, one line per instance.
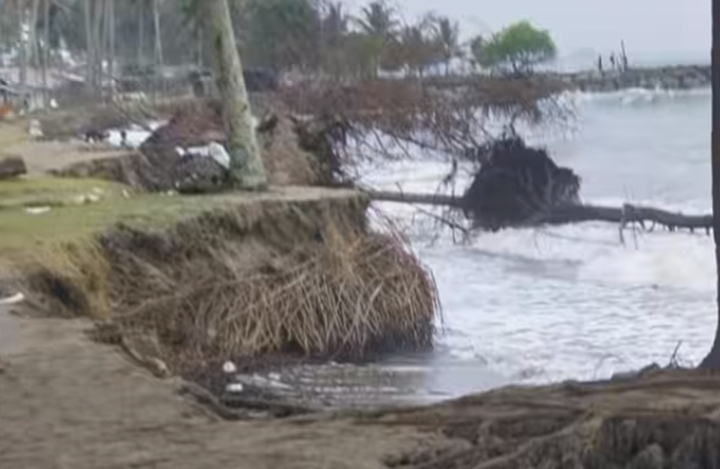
(573, 301)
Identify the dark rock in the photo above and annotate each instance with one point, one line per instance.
(12, 167)
(95, 135)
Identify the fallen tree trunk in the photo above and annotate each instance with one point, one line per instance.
(571, 213)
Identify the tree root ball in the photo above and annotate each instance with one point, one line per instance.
(517, 186)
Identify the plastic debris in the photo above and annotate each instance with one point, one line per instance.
(229, 367)
(234, 387)
(37, 210)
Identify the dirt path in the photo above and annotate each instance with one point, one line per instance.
(67, 402)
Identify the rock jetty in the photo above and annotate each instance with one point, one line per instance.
(680, 77)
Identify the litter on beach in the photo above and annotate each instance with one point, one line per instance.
(37, 210)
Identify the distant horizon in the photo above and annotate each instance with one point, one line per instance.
(586, 58)
(654, 31)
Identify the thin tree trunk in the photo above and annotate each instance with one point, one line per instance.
(712, 361)
(246, 164)
(108, 39)
(20, 6)
(45, 53)
(89, 45)
(158, 37)
(158, 81)
(200, 46)
(141, 33)
(99, 52)
(34, 50)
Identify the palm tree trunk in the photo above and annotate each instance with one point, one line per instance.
(158, 37)
(97, 40)
(109, 38)
(246, 164)
(158, 81)
(89, 45)
(200, 46)
(35, 50)
(712, 361)
(141, 33)
(46, 52)
(20, 10)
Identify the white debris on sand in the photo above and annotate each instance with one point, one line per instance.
(86, 199)
(213, 150)
(37, 210)
(34, 129)
(229, 367)
(234, 387)
(12, 300)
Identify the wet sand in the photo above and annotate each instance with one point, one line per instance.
(68, 402)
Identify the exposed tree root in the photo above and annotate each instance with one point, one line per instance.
(665, 419)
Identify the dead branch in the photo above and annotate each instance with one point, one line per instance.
(569, 214)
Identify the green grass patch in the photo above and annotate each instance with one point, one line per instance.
(70, 220)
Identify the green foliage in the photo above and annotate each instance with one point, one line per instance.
(516, 49)
(419, 48)
(447, 40)
(378, 19)
(308, 34)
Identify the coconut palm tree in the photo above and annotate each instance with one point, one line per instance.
(448, 38)
(334, 25)
(380, 28)
(158, 36)
(378, 19)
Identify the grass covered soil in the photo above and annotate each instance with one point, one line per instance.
(188, 279)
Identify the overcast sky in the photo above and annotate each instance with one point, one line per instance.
(649, 27)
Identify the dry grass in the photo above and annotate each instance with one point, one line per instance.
(291, 280)
(292, 271)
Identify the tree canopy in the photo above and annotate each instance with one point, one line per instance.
(516, 49)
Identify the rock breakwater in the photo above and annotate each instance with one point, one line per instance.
(680, 77)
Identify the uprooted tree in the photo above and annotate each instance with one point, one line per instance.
(513, 185)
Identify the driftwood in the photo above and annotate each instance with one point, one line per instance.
(571, 213)
(12, 167)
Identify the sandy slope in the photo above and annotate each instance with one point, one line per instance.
(67, 402)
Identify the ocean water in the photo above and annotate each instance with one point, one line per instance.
(539, 305)
(574, 302)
